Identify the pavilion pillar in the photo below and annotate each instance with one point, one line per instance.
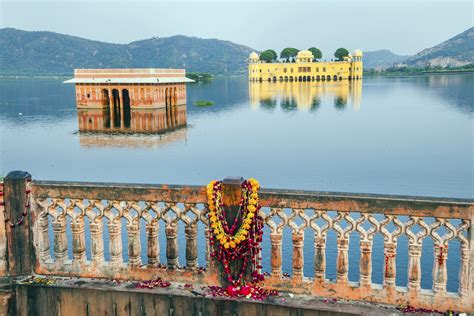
(111, 108)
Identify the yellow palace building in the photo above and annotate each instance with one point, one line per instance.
(304, 69)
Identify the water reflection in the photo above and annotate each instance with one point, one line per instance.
(134, 121)
(112, 140)
(151, 128)
(305, 96)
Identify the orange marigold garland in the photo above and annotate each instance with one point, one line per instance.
(234, 242)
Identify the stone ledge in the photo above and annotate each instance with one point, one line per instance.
(76, 296)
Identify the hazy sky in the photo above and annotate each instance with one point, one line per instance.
(405, 27)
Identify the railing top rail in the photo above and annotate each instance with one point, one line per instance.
(372, 203)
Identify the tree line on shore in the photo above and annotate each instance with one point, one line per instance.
(289, 54)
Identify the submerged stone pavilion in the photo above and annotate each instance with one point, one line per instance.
(150, 88)
(148, 100)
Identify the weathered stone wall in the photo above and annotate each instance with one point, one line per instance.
(99, 299)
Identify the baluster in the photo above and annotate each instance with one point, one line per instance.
(298, 262)
(134, 247)
(97, 241)
(342, 259)
(115, 245)
(78, 240)
(464, 279)
(153, 247)
(60, 241)
(191, 246)
(365, 263)
(276, 254)
(414, 272)
(439, 268)
(390, 253)
(172, 245)
(320, 259)
(43, 228)
(209, 262)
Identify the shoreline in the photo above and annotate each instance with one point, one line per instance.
(398, 75)
(418, 74)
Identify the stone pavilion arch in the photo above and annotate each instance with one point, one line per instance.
(125, 109)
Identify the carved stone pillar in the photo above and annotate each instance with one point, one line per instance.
(365, 265)
(134, 247)
(439, 269)
(342, 259)
(78, 241)
(115, 244)
(97, 242)
(171, 231)
(390, 252)
(60, 240)
(153, 247)
(43, 228)
(191, 246)
(298, 257)
(320, 259)
(276, 255)
(414, 272)
(464, 279)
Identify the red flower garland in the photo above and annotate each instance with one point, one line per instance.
(248, 249)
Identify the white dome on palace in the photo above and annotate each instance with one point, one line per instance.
(253, 55)
(305, 54)
(357, 53)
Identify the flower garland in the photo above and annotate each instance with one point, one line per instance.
(234, 242)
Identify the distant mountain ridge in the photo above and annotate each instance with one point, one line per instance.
(456, 51)
(382, 59)
(47, 53)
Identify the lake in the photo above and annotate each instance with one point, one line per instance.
(409, 136)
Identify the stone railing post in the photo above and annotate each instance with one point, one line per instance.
(231, 196)
(20, 251)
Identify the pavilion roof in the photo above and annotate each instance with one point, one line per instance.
(131, 80)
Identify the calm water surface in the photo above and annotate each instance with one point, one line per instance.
(396, 136)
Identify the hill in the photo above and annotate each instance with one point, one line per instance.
(382, 59)
(456, 51)
(49, 53)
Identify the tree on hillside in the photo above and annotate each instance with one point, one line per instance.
(341, 53)
(268, 56)
(288, 53)
(316, 52)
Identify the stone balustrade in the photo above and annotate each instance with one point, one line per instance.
(128, 218)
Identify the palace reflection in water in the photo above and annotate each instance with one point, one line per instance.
(100, 127)
(305, 96)
(134, 121)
